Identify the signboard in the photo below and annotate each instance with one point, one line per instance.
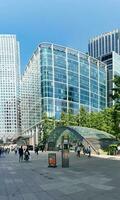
(52, 160)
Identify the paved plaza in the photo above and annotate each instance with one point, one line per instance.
(85, 179)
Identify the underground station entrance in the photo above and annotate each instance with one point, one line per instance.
(94, 138)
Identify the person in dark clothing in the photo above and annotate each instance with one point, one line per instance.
(26, 154)
(36, 150)
(20, 154)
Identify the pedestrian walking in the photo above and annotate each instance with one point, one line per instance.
(78, 151)
(15, 150)
(26, 154)
(20, 154)
(36, 150)
(89, 151)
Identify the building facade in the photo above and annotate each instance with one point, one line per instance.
(104, 44)
(9, 86)
(106, 48)
(112, 60)
(58, 79)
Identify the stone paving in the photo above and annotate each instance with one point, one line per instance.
(85, 179)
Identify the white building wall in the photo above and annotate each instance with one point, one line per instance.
(9, 86)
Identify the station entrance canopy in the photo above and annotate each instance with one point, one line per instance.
(80, 134)
(21, 140)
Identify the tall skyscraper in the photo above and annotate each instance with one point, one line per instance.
(104, 44)
(58, 79)
(106, 48)
(9, 86)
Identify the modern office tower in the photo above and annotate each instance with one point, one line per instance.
(9, 86)
(58, 79)
(106, 48)
(112, 60)
(104, 44)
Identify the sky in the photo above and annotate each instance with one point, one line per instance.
(66, 22)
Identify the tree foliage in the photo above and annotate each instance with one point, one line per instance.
(116, 108)
(48, 125)
(82, 117)
(116, 92)
(104, 120)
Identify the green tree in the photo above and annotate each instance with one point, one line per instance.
(108, 121)
(116, 108)
(48, 124)
(68, 119)
(82, 117)
(64, 119)
(116, 92)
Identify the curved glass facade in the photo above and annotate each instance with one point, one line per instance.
(79, 132)
(66, 79)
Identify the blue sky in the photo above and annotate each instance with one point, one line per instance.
(66, 22)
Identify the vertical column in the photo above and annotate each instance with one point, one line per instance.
(89, 87)
(36, 135)
(67, 78)
(33, 137)
(98, 65)
(29, 134)
(53, 80)
(79, 77)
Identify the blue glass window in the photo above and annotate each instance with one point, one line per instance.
(59, 53)
(102, 90)
(113, 42)
(102, 45)
(94, 100)
(46, 50)
(94, 86)
(72, 79)
(116, 42)
(109, 42)
(72, 56)
(84, 82)
(60, 91)
(102, 77)
(84, 92)
(60, 62)
(106, 45)
(73, 94)
(91, 49)
(84, 69)
(84, 99)
(94, 73)
(46, 59)
(96, 48)
(73, 66)
(60, 75)
(73, 105)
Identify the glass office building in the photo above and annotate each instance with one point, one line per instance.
(104, 44)
(106, 48)
(58, 79)
(112, 60)
(9, 86)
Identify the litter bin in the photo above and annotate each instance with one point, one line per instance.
(52, 160)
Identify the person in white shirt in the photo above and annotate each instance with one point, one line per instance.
(78, 151)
